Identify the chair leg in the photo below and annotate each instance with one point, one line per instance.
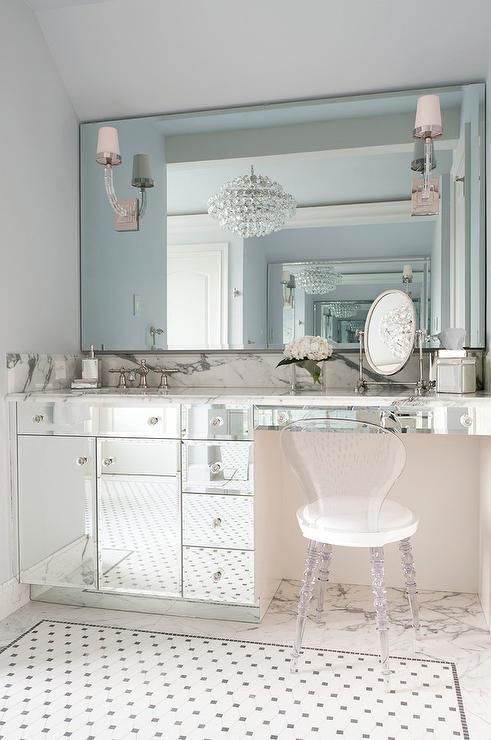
(309, 579)
(409, 572)
(380, 602)
(324, 568)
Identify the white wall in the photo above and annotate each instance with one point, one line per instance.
(39, 230)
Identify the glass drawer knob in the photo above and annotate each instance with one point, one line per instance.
(38, 418)
(81, 460)
(216, 467)
(108, 461)
(466, 420)
(153, 420)
(217, 421)
(217, 523)
(217, 575)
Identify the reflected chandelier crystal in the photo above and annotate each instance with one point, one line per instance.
(318, 279)
(343, 309)
(252, 205)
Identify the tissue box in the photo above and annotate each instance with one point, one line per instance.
(455, 374)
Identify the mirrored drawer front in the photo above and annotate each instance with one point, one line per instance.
(133, 421)
(139, 457)
(218, 575)
(55, 418)
(216, 421)
(218, 521)
(277, 417)
(221, 467)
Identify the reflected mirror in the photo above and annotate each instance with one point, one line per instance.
(315, 208)
(390, 330)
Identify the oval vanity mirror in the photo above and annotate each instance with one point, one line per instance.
(390, 331)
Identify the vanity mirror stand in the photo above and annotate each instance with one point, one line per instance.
(389, 339)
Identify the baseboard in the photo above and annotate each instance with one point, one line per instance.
(13, 595)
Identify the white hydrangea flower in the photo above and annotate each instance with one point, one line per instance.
(308, 348)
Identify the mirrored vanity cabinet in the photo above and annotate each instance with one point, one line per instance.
(143, 500)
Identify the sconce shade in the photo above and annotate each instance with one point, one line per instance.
(407, 271)
(418, 161)
(108, 151)
(285, 276)
(142, 175)
(428, 121)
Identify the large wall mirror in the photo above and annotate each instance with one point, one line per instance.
(188, 280)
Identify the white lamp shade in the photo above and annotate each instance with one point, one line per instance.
(428, 115)
(285, 276)
(407, 271)
(108, 140)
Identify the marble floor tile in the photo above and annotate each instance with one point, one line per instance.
(453, 624)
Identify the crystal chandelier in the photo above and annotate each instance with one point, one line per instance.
(252, 205)
(317, 279)
(343, 309)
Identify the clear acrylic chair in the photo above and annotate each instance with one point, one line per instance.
(346, 469)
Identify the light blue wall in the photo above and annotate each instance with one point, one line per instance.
(118, 265)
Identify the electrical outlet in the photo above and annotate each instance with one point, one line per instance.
(137, 304)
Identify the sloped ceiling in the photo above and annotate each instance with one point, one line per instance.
(134, 57)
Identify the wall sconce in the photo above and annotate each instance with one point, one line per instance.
(288, 283)
(427, 126)
(407, 277)
(128, 212)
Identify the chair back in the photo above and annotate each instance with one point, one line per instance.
(346, 467)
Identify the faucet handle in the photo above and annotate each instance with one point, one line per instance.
(164, 376)
(122, 376)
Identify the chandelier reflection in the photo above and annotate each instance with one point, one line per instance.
(318, 280)
(252, 205)
(343, 309)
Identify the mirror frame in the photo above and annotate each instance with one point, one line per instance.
(402, 364)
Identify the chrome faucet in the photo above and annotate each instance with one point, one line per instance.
(143, 371)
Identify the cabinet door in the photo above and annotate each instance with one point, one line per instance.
(139, 516)
(56, 485)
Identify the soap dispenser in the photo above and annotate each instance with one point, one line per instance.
(91, 367)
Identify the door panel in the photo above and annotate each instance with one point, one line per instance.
(57, 510)
(139, 517)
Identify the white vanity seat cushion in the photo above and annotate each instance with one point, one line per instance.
(356, 521)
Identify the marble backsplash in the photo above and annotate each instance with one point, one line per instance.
(37, 372)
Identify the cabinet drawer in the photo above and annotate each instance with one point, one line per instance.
(138, 457)
(135, 421)
(217, 421)
(218, 575)
(218, 521)
(55, 418)
(220, 467)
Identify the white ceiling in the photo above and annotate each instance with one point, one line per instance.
(127, 57)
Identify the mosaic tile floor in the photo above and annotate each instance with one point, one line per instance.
(454, 630)
(85, 681)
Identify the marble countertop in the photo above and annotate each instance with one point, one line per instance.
(259, 396)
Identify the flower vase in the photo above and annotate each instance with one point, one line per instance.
(292, 369)
(324, 377)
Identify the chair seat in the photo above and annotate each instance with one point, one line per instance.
(356, 521)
